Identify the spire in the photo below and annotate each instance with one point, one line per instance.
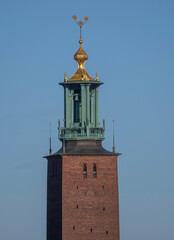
(50, 150)
(113, 149)
(80, 57)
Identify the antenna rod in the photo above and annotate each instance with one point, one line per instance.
(50, 150)
(113, 138)
(80, 31)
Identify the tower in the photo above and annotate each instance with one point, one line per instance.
(82, 181)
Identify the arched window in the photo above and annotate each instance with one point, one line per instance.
(76, 106)
(94, 171)
(84, 171)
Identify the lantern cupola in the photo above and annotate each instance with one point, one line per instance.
(81, 103)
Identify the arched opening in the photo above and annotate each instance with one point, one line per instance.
(77, 100)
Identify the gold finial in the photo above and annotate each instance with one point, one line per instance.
(81, 24)
(65, 78)
(80, 56)
(96, 77)
(80, 41)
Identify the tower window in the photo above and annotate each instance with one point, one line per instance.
(103, 208)
(73, 227)
(103, 186)
(76, 106)
(91, 229)
(84, 171)
(77, 206)
(94, 171)
(106, 232)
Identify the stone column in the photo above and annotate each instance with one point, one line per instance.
(72, 106)
(87, 110)
(87, 105)
(66, 106)
(83, 104)
(92, 107)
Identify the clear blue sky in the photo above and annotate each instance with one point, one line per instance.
(131, 46)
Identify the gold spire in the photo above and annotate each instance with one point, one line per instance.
(80, 57)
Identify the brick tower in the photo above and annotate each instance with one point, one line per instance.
(82, 181)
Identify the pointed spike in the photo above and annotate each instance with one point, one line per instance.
(58, 123)
(50, 150)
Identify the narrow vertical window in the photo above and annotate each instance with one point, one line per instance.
(84, 171)
(76, 106)
(94, 171)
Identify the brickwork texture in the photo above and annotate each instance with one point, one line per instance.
(82, 205)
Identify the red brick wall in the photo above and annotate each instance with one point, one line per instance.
(90, 205)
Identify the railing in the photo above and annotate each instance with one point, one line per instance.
(80, 132)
